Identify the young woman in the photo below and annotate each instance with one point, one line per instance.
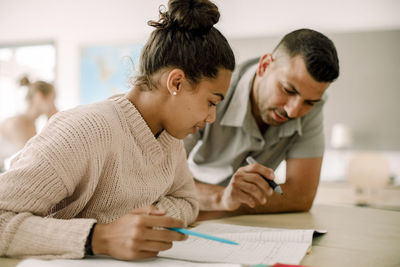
(107, 178)
(17, 130)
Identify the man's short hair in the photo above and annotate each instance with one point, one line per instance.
(317, 50)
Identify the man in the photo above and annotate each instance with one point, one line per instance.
(272, 112)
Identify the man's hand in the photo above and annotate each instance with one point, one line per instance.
(302, 177)
(136, 235)
(247, 186)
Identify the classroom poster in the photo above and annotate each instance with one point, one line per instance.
(107, 70)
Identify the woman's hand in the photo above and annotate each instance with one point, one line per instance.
(136, 235)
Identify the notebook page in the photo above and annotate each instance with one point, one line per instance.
(256, 245)
(256, 233)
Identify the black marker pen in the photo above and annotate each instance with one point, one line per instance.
(271, 183)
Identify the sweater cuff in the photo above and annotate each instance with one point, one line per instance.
(51, 238)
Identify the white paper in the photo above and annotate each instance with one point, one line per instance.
(107, 262)
(257, 245)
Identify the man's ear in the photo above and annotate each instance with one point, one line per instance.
(174, 81)
(265, 62)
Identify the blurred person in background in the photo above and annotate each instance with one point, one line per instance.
(15, 131)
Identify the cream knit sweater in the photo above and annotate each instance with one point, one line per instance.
(92, 163)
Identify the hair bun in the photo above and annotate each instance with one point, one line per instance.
(193, 14)
(24, 81)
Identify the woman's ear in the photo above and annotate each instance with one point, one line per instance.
(174, 81)
(265, 62)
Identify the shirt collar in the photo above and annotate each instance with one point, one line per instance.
(238, 107)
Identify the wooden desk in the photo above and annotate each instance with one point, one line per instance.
(343, 193)
(356, 236)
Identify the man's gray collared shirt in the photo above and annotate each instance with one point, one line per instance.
(218, 150)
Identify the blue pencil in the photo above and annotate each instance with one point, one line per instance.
(210, 237)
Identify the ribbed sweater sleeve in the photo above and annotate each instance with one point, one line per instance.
(27, 194)
(181, 200)
(46, 172)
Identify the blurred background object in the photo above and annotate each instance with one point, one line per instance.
(341, 137)
(369, 174)
(339, 150)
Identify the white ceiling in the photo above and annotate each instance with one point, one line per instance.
(94, 20)
(265, 17)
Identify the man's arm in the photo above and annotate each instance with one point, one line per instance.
(302, 178)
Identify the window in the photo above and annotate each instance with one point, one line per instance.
(36, 61)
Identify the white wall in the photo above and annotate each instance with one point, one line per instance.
(73, 23)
